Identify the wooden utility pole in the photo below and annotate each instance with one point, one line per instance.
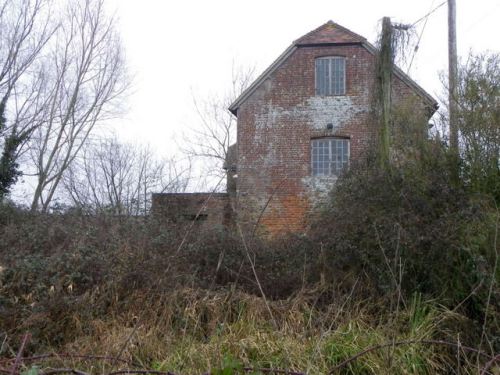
(452, 76)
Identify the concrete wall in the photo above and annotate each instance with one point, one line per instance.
(180, 208)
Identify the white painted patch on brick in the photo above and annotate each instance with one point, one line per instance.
(318, 188)
(318, 111)
(335, 110)
(272, 116)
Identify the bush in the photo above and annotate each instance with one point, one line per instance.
(411, 227)
(283, 266)
(65, 268)
(478, 119)
(406, 229)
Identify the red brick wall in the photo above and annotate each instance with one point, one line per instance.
(276, 125)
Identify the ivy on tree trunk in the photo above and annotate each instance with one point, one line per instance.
(9, 168)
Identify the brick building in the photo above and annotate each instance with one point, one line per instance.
(303, 120)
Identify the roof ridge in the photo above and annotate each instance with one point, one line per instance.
(348, 31)
(329, 23)
(312, 31)
(295, 45)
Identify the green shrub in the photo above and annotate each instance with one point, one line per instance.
(411, 226)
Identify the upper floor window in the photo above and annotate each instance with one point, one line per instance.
(330, 75)
(329, 156)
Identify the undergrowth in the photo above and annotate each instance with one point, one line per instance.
(192, 330)
(398, 275)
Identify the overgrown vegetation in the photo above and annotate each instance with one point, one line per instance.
(398, 273)
(478, 122)
(399, 256)
(410, 226)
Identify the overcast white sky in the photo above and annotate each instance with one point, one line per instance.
(178, 49)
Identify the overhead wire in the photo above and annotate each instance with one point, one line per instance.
(428, 14)
(486, 14)
(426, 18)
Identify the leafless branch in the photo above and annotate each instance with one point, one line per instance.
(119, 178)
(84, 80)
(209, 138)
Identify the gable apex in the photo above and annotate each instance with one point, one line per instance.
(329, 33)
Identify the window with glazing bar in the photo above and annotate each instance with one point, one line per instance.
(329, 156)
(330, 75)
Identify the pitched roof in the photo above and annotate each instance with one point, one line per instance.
(329, 33)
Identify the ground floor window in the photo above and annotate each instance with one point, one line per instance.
(329, 156)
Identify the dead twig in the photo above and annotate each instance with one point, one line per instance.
(154, 372)
(490, 363)
(53, 371)
(408, 342)
(252, 266)
(492, 282)
(179, 248)
(261, 214)
(272, 371)
(254, 271)
(19, 355)
(203, 206)
(66, 355)
(395, 279)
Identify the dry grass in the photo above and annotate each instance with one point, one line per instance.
(97, 289)
(190, 331)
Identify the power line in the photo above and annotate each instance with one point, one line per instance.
(428, 14)
(422, 32)
(484, 16)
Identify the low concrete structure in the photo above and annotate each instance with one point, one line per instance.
(207, 209)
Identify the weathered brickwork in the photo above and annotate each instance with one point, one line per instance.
(280, 116)
(270, 185)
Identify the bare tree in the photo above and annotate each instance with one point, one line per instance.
(25, 30)
(83, 82)
(119, 178)
(210, 138)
